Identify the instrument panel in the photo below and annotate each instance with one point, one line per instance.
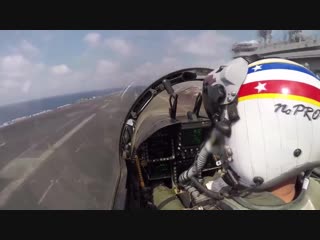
(172, 150)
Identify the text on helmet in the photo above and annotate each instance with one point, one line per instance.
(298, 109)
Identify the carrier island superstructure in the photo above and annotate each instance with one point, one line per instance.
(295, 46)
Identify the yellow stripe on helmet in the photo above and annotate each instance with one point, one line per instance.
(278, 95)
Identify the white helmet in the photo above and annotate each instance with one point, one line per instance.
(273, 108)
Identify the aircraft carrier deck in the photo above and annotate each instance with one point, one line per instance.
(65, 159)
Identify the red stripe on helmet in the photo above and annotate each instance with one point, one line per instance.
(285, 87)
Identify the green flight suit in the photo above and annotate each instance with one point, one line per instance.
(309, 200)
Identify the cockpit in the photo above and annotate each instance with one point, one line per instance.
(163, 133)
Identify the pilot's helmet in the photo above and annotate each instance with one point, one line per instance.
(273, 108)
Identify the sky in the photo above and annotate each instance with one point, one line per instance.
(37, 64)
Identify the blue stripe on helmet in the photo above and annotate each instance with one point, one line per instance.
(278, 65)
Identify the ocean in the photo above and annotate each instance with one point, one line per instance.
(23, 109)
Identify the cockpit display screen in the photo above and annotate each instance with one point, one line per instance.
(192, 137)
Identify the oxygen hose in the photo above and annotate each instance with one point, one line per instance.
(196, 168)
(200, 162)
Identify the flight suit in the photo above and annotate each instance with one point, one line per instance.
(165, 198)
(309, 200)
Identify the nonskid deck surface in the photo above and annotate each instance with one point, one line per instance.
(66, 159)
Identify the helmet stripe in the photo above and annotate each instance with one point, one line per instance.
(273, 60)
(273, 66)
(275, 95)
(279, 87)
(282, 74)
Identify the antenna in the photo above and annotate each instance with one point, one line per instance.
(295, 35)
(262, 35)
(285, 35)
(269, 35)
(265, 36)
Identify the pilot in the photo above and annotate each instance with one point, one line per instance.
(266, 121)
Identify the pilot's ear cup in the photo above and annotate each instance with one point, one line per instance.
(221, 93)
(213, 96)
(216, 93)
